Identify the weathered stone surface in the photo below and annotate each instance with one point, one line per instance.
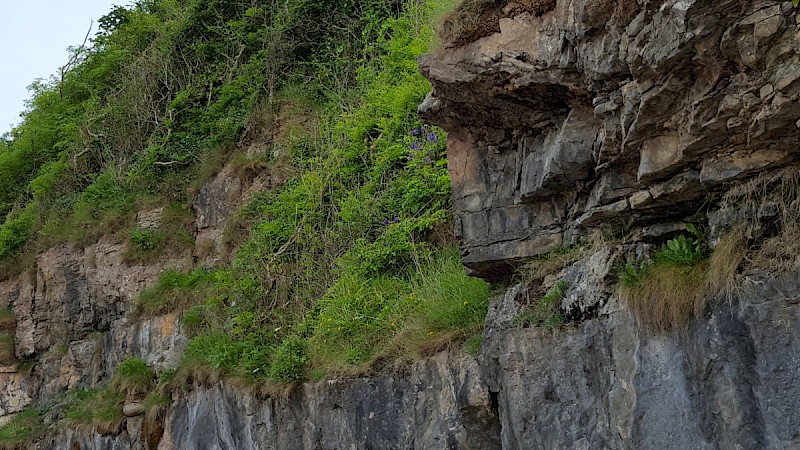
(727, 383)
(133, 409)
(647, 91)
(441, 404)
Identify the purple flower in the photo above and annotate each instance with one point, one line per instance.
(396, 220)
(427, 160)
(423, 130)
(432, 137)
(410, 156)
(414, 132)
(415, 146)
(385, 222)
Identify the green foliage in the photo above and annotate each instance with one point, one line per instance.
(133, 376)
(100, 408)
(361, 319)
(546, 312)
(145, 240)
(682, 250)
(472, 346)
(290, 360)
(175, 290)
(633, 274)
(25, 428)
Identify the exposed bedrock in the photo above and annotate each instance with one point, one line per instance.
(599, 113)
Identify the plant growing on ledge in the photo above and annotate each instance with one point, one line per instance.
(665, 293)
(545, 313)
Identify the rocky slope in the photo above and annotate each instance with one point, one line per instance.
(581, 116)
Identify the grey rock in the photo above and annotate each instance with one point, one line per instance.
(133, 409)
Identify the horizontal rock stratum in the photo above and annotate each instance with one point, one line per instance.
(598, 113)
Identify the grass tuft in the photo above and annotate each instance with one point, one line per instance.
(667, 293)
(546, 312)
(25, 428)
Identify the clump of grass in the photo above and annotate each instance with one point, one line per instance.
(25, 428)
(95, 408)
(545, 312)
(780, 244)
(472, 346)
(668, 292)
(362, 321)
(174, 233)
(175, 291)
(133, 377)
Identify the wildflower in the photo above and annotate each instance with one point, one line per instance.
(414, 145)
(432, 137)
(428, 160)
(396, 220)
(410, 156)
(414, 132)
(385, 222)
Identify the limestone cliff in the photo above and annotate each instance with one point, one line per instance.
(575, 117)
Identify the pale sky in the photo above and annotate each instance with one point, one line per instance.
(34, 36)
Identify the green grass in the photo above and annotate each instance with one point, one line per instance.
(134, 377)
(23, 430)
(101, 408)
(546, 311)
(175, 291)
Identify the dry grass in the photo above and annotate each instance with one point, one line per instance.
(781, 191)
(671, 296)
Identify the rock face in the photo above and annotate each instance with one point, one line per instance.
(725, 383)
(601, 112)
(572, 117)
(72, 314)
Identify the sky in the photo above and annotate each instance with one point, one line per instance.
(34, 36)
